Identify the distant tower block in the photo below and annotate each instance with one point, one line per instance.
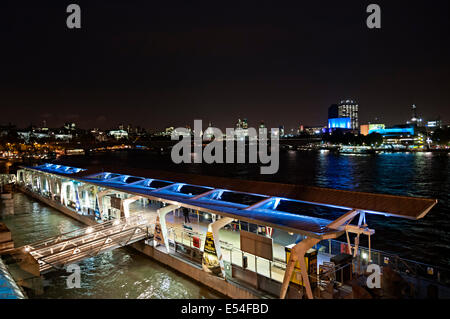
(414, 113)
(416, 119)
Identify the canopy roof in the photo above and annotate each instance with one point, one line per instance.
(295, 208)
(59, 169)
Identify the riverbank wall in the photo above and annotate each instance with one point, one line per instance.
(6, 243)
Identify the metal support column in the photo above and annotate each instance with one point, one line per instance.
(214, 228)
(162, 212)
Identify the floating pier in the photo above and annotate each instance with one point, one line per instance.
(235, 232)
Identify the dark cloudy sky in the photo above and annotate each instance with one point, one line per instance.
(160, 63)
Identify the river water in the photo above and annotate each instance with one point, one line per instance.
(124, 273)
(121, 273)
(410, 174)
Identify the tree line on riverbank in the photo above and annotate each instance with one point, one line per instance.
(339, 137)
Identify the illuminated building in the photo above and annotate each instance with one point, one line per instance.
(209, 132)
(63, 137)
(99, 135)
(345, 109)
(70, 126)
(44, 127)
(28, 134)
(244, 124)
(366, 128)
(401, 135)
(399, 130)
(342, 123)
(184, 133)
(241, 131)
(315, 130)
(433, 125)
(118, 134)
(415, 119)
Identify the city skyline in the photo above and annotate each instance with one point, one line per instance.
(253, 123)
(161, 65)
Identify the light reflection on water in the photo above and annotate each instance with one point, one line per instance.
(423, 175)
(410, 174)
(121, 273)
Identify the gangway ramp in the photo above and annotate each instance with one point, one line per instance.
(67, 248)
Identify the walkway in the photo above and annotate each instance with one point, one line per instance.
(87, 242)
(181, 233)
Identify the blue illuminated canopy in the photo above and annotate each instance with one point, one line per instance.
(54, 168)
(308, 212)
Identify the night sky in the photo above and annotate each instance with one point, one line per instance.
(161, 63)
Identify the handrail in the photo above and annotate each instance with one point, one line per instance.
(87, 242)
(86, 250)
(82, 232)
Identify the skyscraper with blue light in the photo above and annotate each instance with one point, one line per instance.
(345, 109)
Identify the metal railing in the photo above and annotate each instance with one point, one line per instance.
(262, 266)
(87, 242)
(408, 267)
(330, 247)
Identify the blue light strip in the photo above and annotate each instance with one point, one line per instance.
(393, 131)
(53, 168)
(341, 122)
(267, 212)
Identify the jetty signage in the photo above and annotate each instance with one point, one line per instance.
(196, 242)
(159, 238)
(210, 262)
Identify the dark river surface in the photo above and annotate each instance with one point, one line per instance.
(121, 273)
(410, 174)
(124, 273)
